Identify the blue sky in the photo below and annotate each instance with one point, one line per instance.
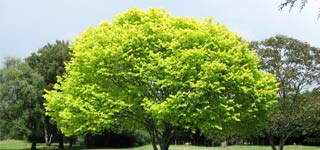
(27, 25)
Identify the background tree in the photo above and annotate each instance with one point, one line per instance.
(312, 104)
(49, 61)
(159, 72)
(21, 89)
(296, 66)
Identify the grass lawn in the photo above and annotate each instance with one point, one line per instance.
(14, 144)
(23, 145)
(18, 145)
(183, 147)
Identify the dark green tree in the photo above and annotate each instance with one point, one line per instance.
(313, 105)
(296, 66)
(21, 90)
(49, 61)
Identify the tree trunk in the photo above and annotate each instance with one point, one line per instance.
(47, 132)
(33, 140)
(163, 138)
(152, 130)
(271, 142)
(34, 136)
(164, 146)
(282, 142)
(72, 141)
(153, 138)
(88, 140)
(61, 137)
(154, 143)
(50, 139)
(284, 138)
(46, 138)
(34, 144)
(166, 136)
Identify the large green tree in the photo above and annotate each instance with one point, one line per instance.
(49, 61)
(21, 90)
(296, 66)
(155, 71)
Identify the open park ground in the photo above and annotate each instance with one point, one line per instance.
(23, 145)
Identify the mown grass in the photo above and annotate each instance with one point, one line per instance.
(14, 144)
(289, 147)
(183, 147)
(23, 145)
(18, 145)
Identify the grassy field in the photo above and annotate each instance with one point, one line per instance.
(23, 145)
(14, 144)
(182, 147)
(18, 145)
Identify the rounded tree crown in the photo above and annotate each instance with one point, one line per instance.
(154, 66)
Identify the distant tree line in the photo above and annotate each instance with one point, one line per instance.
(22, 113)
(22, 85)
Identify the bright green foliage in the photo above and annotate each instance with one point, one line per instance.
(21, 89)
(154, 70)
